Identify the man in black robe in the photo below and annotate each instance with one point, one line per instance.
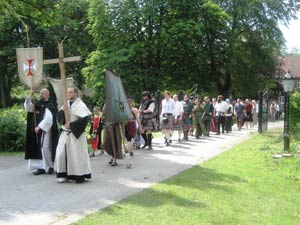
(42, 133)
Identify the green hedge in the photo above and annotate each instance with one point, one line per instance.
(295, 114)
(12, 129)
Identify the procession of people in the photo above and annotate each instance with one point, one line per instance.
(67, 154)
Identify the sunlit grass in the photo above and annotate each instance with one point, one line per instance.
(242, 186)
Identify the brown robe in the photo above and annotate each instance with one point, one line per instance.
(113, 141)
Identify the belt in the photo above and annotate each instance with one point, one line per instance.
(168, 114)
(67, 131)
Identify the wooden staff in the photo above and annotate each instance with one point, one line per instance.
(63, 79)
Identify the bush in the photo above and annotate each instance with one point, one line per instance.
(295, 114)
(12, 129)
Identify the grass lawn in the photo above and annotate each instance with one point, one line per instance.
(242, 186)
(18, 154)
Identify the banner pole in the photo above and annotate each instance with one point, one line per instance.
(31, 85)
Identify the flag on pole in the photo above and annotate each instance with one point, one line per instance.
(56, 84)
(30, 66)
(117, 109)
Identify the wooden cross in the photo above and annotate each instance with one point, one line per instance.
(61, 60)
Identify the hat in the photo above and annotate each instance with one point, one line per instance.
(147, 93)
(227, 100)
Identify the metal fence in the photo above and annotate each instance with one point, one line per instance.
(270, 113)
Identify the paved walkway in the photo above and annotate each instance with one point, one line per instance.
(27, 199)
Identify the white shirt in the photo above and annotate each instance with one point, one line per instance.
(221, 107)
(151, 107)
(168, 106)
(178, 109)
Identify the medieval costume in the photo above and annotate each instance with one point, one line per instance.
(228, 117)
(167, 115)
(117, 113)
(239, 113)
(187, 116)
(214, 124)
(178, 124)
(131, 128)
(96, 131)
(72, 159)
(221, 108)
(198, 115)
(40, 148)
(95, 125)
(147, 115)
(248, 110)
(112, 139)
(113, 142)
(208, 112)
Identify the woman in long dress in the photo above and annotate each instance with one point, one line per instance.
(213, 124)
(95, 131)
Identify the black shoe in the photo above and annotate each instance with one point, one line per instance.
(217, 133)
(39, 172)
(167, 144)
(179, 140)
(50, 171)
(131, 154)
(170, 141)
(145, 145)
(114, 164)
(79, 180)
(111, 161)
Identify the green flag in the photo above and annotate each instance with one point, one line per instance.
(117, 109)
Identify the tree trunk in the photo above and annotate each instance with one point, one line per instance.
(4, 83)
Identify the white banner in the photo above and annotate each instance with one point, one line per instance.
(30, 66)
(56, 84)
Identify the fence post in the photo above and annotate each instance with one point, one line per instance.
(286, 127)
(260, 112)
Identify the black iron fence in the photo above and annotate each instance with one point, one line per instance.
(270, 113)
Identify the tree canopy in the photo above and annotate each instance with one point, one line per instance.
(220, 46)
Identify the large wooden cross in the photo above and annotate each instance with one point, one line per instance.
(62, 60)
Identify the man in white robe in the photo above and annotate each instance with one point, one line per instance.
(72, 161)
(41, 139)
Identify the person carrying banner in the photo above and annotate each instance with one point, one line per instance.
(72, 158)
(42, 134)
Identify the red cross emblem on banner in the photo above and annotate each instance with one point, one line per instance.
(30, 67)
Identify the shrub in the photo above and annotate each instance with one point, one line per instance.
(12, 129)
(295, 114)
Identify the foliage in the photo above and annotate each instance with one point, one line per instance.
(221, 46)
(244, 185)
(295, 114)
(49, 22)
(12, 129)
